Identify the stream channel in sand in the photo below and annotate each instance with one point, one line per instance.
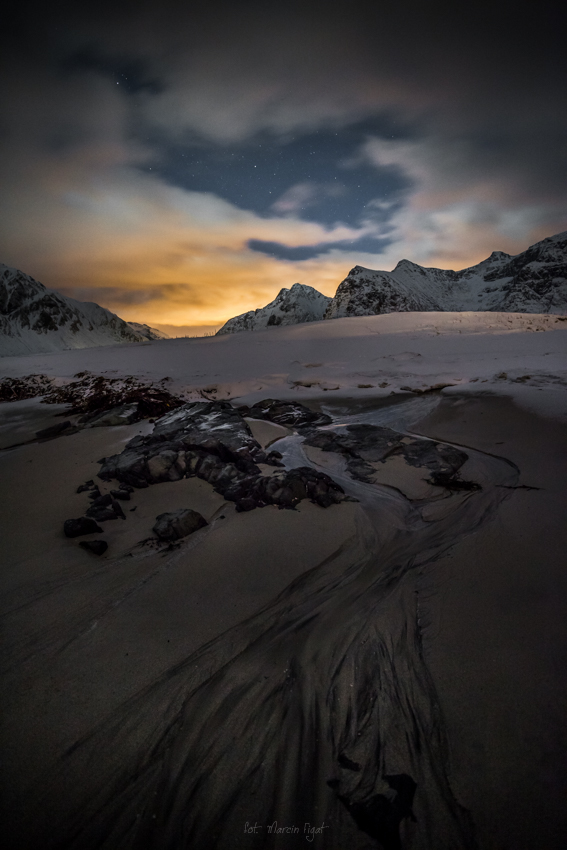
(319, 710)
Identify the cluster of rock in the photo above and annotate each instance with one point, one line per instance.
(103, 507)
(212, 441)
(362, 445)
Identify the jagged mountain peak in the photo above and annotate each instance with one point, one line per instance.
(534, 281)
(300, 303)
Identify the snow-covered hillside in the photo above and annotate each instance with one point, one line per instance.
(147, 332)
(34, 319)
(290, 307)
(534, 281)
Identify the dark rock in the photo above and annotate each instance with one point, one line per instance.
(88, 485)
(117, 508)
(246, 504)
(102, 514)
(364, 444)
(126, 488)
(177, 524)
(380, 816)
(95, 493)
(347, 763)
(124, 495)
(452, 482)
(212, 441)
(97, 547)
(273, 459)
(100, 502)
(80, 526)
(289, 413)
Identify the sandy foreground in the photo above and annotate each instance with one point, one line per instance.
(234, 676)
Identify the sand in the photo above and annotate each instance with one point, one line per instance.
(497, 643)
(81, 633)
(415, 632)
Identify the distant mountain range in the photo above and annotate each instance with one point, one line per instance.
(534, 281)
(34, 319)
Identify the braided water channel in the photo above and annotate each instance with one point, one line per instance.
(316, 720)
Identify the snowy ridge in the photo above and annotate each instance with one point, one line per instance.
(290, 307)
(147, 332)
(34, 319)
(534, 281)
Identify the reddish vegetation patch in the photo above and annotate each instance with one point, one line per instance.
(30, 386)
(95, 393)
(90, 394)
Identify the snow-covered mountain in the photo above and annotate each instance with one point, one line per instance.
(147, 332)
(34, 319)
(534, 281)
(290, 307)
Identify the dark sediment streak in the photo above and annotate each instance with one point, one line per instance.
(266, 722)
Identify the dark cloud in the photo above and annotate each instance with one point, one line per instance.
(365, 244)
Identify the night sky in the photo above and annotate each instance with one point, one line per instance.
(180, 163)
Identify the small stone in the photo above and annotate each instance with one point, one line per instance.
(80, 526)
(88, 485)
(117, 508)
(97, 547)
(102, 514)
(100, 502)
(246, 504)
(124, 495)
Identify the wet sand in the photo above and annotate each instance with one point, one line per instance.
(496, 645)
(430, 644)
(81, 634)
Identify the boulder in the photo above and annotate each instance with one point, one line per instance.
(80, 526)
(124, 495)
(177, 524)
(289, 413)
